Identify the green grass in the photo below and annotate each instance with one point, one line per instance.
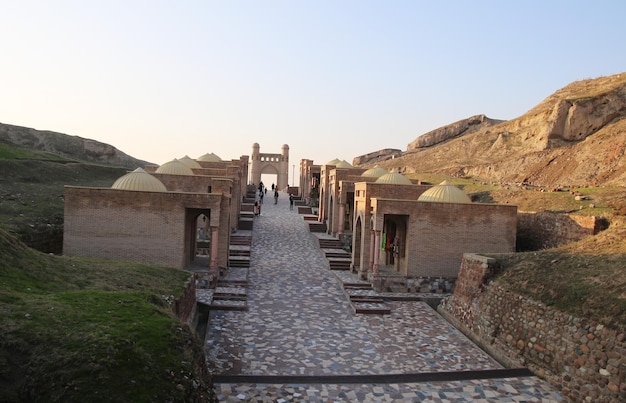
(31, 193)
(87, 329)
(11, 152)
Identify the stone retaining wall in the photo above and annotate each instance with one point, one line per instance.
(585, 360)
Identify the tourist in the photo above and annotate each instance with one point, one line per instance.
(290, 202)
(276, 196)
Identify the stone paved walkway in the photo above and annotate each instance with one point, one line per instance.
(299, 323)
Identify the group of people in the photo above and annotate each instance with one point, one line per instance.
(262, 191)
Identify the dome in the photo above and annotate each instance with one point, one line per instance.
(375, 172)
(394, 178)
(174, 167)
(190, 162)
(445, 192)
(334, 162)
(343, 164)
(209, 158)
(139, 180)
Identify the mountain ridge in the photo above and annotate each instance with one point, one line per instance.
(67, 146)
(574, 137)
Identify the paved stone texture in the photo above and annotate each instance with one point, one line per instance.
(299, 322)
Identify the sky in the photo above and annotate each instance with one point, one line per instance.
(331, 79)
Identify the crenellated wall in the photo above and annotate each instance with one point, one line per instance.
(583, 359)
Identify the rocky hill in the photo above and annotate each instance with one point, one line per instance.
(575, 137)
(68, 147)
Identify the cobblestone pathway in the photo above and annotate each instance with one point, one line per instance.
(299, 323)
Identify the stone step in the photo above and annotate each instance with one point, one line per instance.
(339, 264)
(239, 261)
(241, 240)
(245, 223)
(370, 309)
(305, 210)
(317, 227)
(236, 252)
(373, 299)
(336, 253)
(357, 286)
(330, 243)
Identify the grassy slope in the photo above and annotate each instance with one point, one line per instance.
(81, 328)
(76, 329)
(31, 193)
(586, 278)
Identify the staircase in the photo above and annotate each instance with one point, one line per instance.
(316, 226)
(239, 251)
(364, 300)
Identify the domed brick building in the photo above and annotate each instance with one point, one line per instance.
(153, 215)
(412, 231)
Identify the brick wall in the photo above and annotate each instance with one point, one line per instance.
(147, 227)
(545, 230)
(438, 234)
(583, 359)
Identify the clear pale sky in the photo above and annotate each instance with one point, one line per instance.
(332, 79)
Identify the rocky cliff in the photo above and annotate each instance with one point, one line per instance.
(376, 156)
(575, 137)
(70, 147)
(465, 126)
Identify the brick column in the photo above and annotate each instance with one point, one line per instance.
(342, 213)
(376, 253)
(214, 246)
(371, 255)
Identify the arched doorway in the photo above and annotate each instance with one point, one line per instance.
(395, 233)
(269, 177)
(197, 239)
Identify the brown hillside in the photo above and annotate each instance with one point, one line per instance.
(575, 137)
(68, 147)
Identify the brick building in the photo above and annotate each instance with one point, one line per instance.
(419, 231)
(156, 215)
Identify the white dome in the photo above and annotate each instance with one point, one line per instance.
(375, 172)
(394, 178)
(139, 180)
(174, 167)
(190, 162)
(209, 157)
(445, 192)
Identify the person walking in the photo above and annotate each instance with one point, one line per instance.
(290, 202)
(276, 196)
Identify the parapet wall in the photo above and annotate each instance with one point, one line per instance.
(583, 359)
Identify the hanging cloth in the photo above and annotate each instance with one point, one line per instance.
(383, 242)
